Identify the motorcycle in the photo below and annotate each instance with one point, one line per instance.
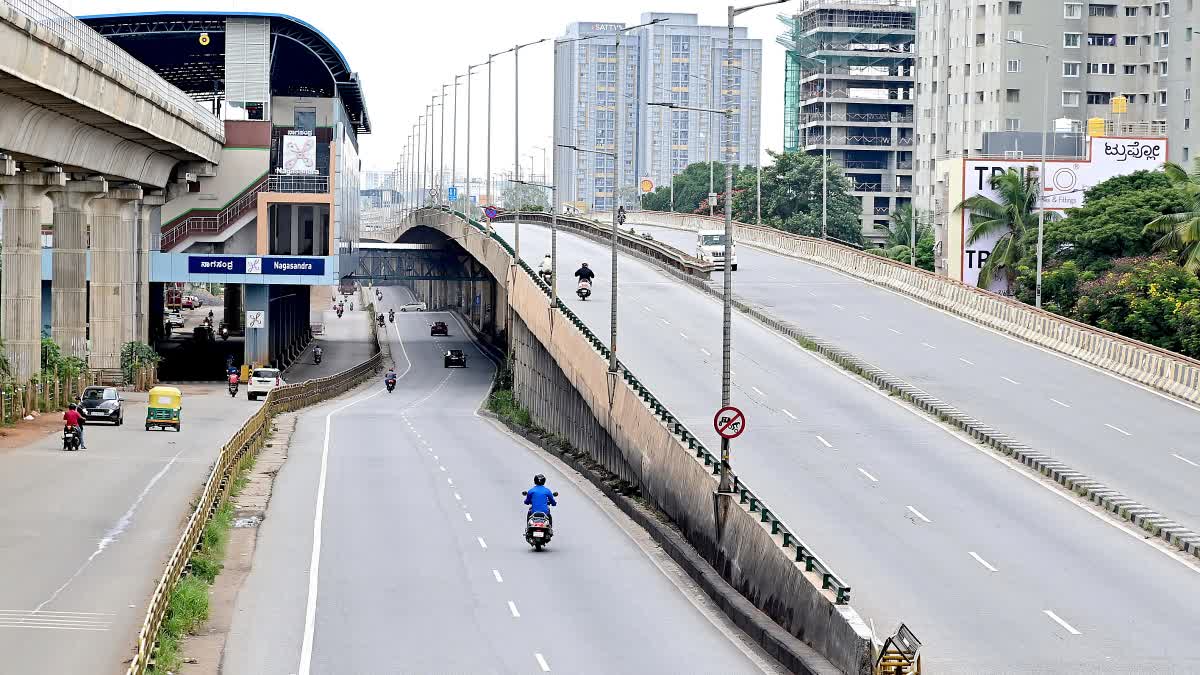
(546, 275)
(584, 289)
(339, 312)
(391, 384)
(538, 530)
(71, 438)
(380, 321)
(317, 357)
(392, 315)
(224, 332)
(233, 387)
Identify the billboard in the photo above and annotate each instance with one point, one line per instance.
(1066, 182)
(299, 153)
(231, 264)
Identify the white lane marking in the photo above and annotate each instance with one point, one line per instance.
(1184, 459)
(760, 391)
(450, 482)
(512, 607)
(1060, 403)
(813, 293)
(1117, 429)
(864, 317)
(468, 517)
(823, 441)
(458, 496)
(542, 663)
(863, 471)
(785, 412)
(647, 308)
(926, 344)
(918, 514)
(1009, 380)
(482, 543)
(683, 335)
(499, 579)
(838, 306)
(1058, 620)
(966, 361)
(981, 561)
(706, 352)
(895, 331)
(441, 467)
(664, 321)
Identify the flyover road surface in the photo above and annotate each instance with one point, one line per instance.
(84, 535)
(994, 571)
(422, 563)
(345, 343)
(1142, 443)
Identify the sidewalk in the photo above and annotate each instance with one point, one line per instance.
(84, 535)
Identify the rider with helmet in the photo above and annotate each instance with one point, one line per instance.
(585, 273)
(540, 498)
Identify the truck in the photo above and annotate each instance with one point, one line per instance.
(710, 246)
(174, 298)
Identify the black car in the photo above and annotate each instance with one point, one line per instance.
(455, 358)
(102, 404)
(439, 328)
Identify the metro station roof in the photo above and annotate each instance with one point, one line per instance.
(303, 63)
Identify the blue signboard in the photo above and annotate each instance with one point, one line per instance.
(268, 265)
(452, 193)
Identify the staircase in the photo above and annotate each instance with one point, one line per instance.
(177, 231)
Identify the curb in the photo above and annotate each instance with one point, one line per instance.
(782, 646)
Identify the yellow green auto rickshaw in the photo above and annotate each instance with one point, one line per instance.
(163, 408)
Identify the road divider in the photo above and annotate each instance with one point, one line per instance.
(645, 444)
(235, 455)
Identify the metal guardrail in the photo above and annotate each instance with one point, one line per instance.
(803, 554)
(298, 183)
(60, 22)
(234, 456)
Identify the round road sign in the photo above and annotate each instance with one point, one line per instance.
(729, 422)
(490, 212)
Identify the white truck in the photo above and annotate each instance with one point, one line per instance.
(710, 246)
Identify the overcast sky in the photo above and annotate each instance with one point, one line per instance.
(404, 51)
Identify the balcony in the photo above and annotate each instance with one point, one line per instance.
(298, 184)
(865, 141)
(883, 118)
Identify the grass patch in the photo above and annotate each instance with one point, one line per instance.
(503, 403)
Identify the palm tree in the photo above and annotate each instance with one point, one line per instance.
(1181, 231)
(901, 224)
(1010, 217)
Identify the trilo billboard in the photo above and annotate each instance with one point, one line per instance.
(1066, 182)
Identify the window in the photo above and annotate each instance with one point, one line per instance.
(306, 119)
(1187, 64)
(1162, 97)
(1014, 65)
(1131, 11)
(1164, 40)
(1012, 124)
(1161, 67)
(979, 97)
(1102, 40)
(1185, 154)
(1015, 35)
(1166, 8)
(1129, 70)
(1101, 68)
(1130, 40)
(1072, 10)
(1187, 94)
(1070, 99)
(980, 39)
(1099, 97)
(1102, 10)
(1012, 96)
(1071, 39)
(1014, 7)
(1070, 69)
(1187, 123)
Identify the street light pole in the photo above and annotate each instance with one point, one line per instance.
(442, 149)
(467, 206)
(516, 50)
(553, 237)
(1041, 171)
(454, 141)
(825, 148)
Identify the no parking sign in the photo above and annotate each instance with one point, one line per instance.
(729, 422)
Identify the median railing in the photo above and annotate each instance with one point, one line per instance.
(235, 455)
(802, 552)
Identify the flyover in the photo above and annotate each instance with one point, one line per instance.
(925, 524)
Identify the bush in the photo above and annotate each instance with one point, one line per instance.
(135, 355)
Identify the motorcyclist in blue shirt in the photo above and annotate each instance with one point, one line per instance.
(540, 498)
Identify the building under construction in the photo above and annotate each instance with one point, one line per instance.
(849, 92)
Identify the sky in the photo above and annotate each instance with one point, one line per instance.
(404, 51)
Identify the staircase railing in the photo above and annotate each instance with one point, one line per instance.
(213, 224)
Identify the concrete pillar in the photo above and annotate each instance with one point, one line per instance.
(149, 221)
(114, 275)
(233, 306)
(68, 295)
(257, 298)
(21, 285)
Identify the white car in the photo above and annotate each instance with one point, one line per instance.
(262, 381)
(174, 319)
(413, 307)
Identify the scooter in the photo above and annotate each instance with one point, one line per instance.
(71, 438)
(339, 312)
(224, 332)
(392, 316)
(233, 387)
(584, 289)
(317, 357)
(391, 384)
(538, 530)
(380, 321)
(546, 276)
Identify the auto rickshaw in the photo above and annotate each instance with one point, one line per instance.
(163, 408)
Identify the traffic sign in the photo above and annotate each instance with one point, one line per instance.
(647, 185)
(729, 422)
(452, 194)
(256, 319)
(490, 212)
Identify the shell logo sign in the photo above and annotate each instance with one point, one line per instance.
(204, 39)
(647, 185)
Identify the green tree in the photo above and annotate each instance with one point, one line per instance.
(1180, 232)
(691, 189)
(525, 197)
(791, 197)
(1012, 217)
(1153, 300)
(901, 222)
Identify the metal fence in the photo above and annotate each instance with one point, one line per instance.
(306, 184)
(60, 22)
(212, 224)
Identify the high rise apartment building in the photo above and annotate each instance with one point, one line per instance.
(972, 81)
(849, 94)
(675, 61)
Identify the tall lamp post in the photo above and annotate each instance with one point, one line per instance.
(1042, 170)
(454, 139)
(442, 149)
(470, 71)
(553, 237)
